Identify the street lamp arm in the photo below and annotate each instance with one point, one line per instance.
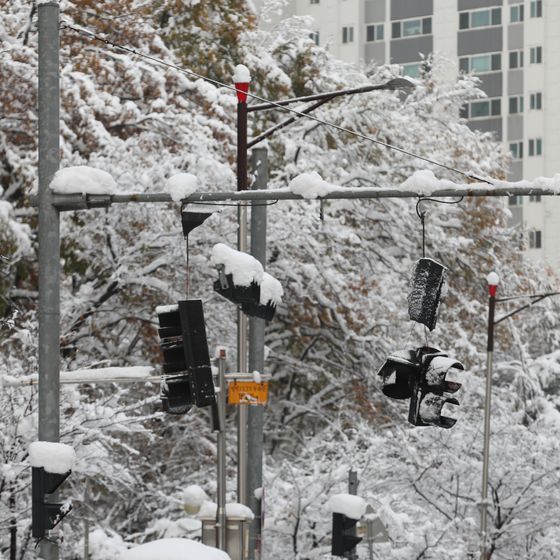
(390, 85)
(288, 121)
(536, 299)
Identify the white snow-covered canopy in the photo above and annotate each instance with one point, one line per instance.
(83, 179)
(54, 457)
(351, 506)
(312, 185)
(181, 185)
(174, 549)
(243, 267)
(241, 74)
(209, 509)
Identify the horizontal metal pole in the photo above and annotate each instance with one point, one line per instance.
(84, 201)
(32, 380)
(390, 85)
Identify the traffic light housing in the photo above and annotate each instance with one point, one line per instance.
(425, 375)
(344, 537)
(46, 515)
(187, 379)
(433, 389)
(427, 284)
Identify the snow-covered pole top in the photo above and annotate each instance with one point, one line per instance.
(349, 505)
(241, 79)
(493, 280)
(55, 458)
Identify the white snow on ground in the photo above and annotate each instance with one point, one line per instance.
(174, 549)
(241, 74)
(209, 509)
(181, 186)
(271, 290)
(53, 457)
(350, 506)
(83, 179)
(243, 267)
(312, 185)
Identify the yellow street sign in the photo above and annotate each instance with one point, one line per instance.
(247, 392)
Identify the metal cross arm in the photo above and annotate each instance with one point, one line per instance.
(535, 298)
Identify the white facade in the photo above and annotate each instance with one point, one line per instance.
(523, 108)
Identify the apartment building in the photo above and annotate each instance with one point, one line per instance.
(512, 45)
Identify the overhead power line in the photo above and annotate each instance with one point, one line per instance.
(91, 35)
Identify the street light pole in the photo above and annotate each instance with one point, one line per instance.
(242, 80)
(493, 281)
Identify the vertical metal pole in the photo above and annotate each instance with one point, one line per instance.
(259, 168)
(13, 524)
(221, 512)
(49, 234)
(353, 490)
(487, 412)
(241, 318)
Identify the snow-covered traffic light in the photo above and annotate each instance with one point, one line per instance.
(426, 376)
(50, 466)
(428, 281)
(46, 515)
(243, 281)
(187, 378)
(344, 537)
(433, 389)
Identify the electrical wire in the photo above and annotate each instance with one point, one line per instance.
(129, 50)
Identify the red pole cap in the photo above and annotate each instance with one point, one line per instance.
(493, 280)
(241, 79)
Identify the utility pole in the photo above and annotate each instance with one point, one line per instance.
(242, 88)
(49, 234)
(353, 483)
(221, 452)
(259, 168)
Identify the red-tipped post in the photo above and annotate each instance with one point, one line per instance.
(242, 80)
(493, 281)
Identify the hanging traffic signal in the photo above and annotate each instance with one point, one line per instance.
(344, 537)
(187, 378)
(427, 284)
(397, 374)
(433, 388)
(46, 515)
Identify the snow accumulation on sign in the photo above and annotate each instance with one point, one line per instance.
(82, 179)
(271, 290)
(174, 549)
(53, 457)
(351, 506)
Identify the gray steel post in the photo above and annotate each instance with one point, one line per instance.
(487, 413)
(259, 168)
(49, 233)
(353, 490)
(221, 494)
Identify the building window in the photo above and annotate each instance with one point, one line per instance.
(412, 70)
(481, 63)
(536, 55)
(515, 104)
(480, 18)
(375, 32)
(515, 200)
(516, 149)
(535, 101)
(517, 13)
(535, 239)
(536, 8)
(314, 36)
(534, 198)
(347, 34)
(516, 59)
(535, 147)
(482, 109)
(412, 27)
